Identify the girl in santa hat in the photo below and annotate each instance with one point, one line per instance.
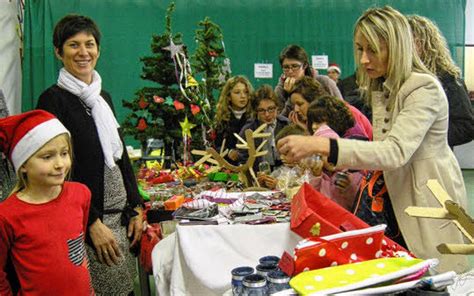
(43, 222)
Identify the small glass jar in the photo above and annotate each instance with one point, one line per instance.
(277, 281)
(264, 269)
(269, 260)
(238, 275)
(254, 285)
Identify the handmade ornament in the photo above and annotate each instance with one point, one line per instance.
(213, 53)
(142, 103)
(195, 109)
(190, 81)
(186, 127)
(142, 125)
(158, 99)
(245, 171)
(221, 78)
(173, 48)
(178, 105)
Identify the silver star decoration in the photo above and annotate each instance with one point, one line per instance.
(173, 48)
(221, 78)
(226, 67)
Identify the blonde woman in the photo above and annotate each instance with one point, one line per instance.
(433, 51)
(233, 110)
(410, 117)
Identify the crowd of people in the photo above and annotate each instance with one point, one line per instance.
(406, 82)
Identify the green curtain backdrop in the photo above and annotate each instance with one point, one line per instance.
(254, 32)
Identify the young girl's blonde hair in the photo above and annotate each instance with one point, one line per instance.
(390, 26)
(223, 105)
(21, 177)
(432, 46)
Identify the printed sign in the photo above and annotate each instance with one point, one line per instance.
(263, 70)
(319, 61)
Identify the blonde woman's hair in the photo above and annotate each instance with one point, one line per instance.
(21, 177)
(390, 26)
(432, 46)
(224, 105)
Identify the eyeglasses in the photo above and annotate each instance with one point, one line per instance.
(270, 110)
(293, 67)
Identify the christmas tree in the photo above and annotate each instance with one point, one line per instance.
(209, 60)
(171, 108)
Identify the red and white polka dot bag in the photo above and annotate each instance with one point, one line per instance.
(342, 248)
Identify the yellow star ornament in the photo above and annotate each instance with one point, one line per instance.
(186, 127)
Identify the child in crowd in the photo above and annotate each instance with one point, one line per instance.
(265, 104)
(43, 222)
(234, 108)
(330, 117)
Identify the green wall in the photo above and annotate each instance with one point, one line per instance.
(254, 32)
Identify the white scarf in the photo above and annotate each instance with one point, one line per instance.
(238, 113)
(102, 115)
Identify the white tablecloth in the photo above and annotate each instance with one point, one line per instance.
(197, 260)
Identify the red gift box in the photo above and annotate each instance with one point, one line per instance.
(314, 215)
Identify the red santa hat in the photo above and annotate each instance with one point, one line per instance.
(334, 67)
(23, 134)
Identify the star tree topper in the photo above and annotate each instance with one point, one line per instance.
(173, 48)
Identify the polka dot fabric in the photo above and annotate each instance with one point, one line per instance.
(356, 275)
(333, 250)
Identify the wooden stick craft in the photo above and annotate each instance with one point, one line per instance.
(245, 170)
(450, 211)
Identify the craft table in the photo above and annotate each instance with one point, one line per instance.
(197, 260)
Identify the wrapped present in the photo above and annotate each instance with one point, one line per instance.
(341, 248)
(174, 202)
(359, 275)
(313, 214)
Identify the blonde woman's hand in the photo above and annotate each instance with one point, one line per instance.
(295, 148)
(135, 227)
(105, 243)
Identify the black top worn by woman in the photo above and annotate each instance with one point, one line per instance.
(88, 157)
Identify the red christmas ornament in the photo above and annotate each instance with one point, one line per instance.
(142, 125)
(142, 103)
(158, 99)
(195, 109)
(212, 134)
(178, 105)
(213, 53)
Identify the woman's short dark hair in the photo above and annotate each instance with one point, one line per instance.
(331, 110)
(72, 24)
(296, 52)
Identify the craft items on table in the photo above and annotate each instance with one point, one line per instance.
(245, 171)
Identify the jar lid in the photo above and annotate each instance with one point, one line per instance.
(278, 277)
(269, 259)
(267, 267)
(238, 273)
(254, 281)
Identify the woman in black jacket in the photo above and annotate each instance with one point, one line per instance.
(433, 51)
(100, 159)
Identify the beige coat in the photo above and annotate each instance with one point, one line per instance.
(410, 146)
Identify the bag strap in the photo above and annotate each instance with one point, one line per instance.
(371, 184)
